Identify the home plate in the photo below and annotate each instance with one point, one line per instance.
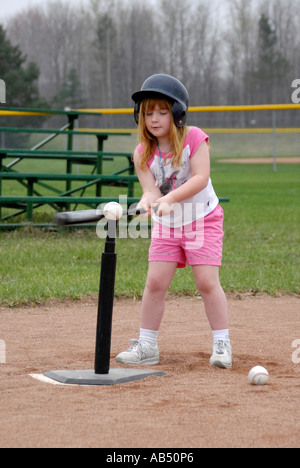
(43, 378)
(89, 377)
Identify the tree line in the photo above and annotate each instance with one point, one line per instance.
(98, 54)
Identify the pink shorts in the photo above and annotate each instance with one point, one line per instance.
(199, 243)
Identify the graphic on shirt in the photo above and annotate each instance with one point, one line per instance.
(169, 184)
(168, 179)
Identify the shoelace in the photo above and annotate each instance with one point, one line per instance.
(138, 346)
(134, 342)
(220, 347)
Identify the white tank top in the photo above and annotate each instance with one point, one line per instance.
(168, 179)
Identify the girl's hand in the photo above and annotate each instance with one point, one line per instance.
(163, 206)
(145, 206)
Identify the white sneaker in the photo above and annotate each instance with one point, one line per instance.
(140, 352)
(222, 355)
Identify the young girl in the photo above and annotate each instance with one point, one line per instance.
(173, 166)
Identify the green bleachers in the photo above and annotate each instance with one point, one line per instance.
(40, 189)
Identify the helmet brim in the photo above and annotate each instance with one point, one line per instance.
(153, 93)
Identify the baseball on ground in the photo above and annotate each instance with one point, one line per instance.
(258, 376)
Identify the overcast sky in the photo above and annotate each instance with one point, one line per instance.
(11, 7)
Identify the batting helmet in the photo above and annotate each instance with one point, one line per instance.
(164, 86)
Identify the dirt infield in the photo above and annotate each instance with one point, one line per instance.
(193, 406)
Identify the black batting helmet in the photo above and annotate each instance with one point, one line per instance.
(164, 86)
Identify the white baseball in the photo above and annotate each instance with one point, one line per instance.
(258, 376)
(113, 211)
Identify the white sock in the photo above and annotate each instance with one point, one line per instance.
(222, 335)
(149, 335)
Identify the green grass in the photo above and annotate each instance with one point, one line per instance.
(262, 243)
(261, 246)
(254, 144)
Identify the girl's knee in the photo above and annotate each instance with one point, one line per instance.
(207, 280)
(155, 285)
(206, 286)
(159, 277)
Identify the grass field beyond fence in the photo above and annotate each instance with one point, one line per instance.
(261, 246)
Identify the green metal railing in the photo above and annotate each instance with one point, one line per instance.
(69, 198)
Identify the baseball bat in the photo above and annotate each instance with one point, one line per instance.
(71, 218)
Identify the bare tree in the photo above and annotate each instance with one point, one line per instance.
(285, 18)
(114, 45)
(206, 52)
(139, 46)
(176, 37)
(53, 37)
(241, 39)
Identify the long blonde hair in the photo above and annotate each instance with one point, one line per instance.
(177, 134)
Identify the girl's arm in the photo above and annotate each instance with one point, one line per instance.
(200, 165)
(150, 190)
